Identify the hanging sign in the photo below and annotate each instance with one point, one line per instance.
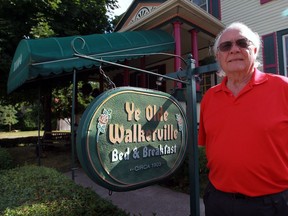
(129, 138)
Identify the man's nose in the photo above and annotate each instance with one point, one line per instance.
(235, 48)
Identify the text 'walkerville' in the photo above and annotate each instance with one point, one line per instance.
(135, 134)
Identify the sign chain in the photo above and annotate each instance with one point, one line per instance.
(110, 82)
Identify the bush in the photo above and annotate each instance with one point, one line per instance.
(28, 118)
(33, 190)
(202, 161)
(6, 160)
(180, 180)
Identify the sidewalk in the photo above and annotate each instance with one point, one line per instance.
(145, 201)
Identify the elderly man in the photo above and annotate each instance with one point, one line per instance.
(244, 127)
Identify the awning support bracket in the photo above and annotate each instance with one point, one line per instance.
(129, 67)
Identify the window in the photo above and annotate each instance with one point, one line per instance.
(285, 54)
(282, 45)
(207, 81)
(201, 3)
(145, 80)
(211, 6)
(270, 53)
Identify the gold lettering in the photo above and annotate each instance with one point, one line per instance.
(137, 114)
(175, 134)
(116, 133)
(148, 135)
(129, 108)
(149, 113)
(160, 134)
(141, 134)
(128, 136)
(165, 116)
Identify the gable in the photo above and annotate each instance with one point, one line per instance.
(137, 10)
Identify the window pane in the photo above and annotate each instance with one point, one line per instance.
(201, 3)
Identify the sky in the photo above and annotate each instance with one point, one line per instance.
(124, 4)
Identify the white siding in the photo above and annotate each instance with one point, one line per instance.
(264, 19)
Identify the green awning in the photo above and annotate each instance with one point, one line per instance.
(35, 58)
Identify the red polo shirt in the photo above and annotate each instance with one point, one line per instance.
(246, 137)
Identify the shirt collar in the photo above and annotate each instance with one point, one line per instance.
(257, 78)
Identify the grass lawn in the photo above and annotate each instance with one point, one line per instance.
(18, 134)
(58, 157)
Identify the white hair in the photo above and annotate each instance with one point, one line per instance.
(247, 32)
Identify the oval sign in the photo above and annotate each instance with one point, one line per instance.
(129, 138)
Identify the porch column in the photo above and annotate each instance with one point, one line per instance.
(177, 37)
(194, 48)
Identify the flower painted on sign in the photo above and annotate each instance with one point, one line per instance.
(103, 121)
(179, 120)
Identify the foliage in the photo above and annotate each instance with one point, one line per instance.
(52, 156)
(24, 115)
(62, 99)
(28, 116)
(203, 169)
(32, 190)
(21, 19)
(8, 115)
(25, 19)
(6, 160)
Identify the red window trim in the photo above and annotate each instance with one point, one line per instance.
(264, 1)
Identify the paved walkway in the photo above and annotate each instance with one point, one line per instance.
(148, 201)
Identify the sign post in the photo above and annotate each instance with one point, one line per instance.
(191, 112)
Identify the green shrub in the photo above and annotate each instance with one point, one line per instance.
(180, 180)
(203, 170)
(6, 160)
(33, 190)
(202, 161)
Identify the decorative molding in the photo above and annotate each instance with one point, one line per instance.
(143, 11)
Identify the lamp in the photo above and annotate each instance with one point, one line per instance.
(159, 81)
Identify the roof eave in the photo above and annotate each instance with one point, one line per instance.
(178, 8)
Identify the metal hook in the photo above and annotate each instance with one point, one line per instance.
(73, 44)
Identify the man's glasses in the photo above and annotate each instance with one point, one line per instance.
(241, 43)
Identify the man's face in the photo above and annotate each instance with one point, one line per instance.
(235, 54)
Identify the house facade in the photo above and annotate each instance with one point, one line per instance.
(194, 25)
